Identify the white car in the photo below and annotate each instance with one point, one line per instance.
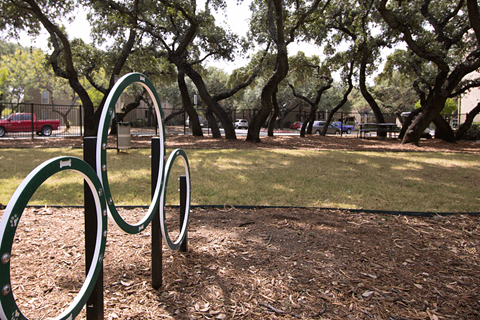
(241, 123)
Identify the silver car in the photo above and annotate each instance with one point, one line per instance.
(241, 123)
(318, 127)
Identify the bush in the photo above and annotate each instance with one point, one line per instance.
(473, 133)
(6, 112)
(139, 123)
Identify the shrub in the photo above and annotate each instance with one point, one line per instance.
(138, 123)
(473, 133)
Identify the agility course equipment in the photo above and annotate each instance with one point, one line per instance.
(98, 204)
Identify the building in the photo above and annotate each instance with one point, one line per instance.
(469, 100)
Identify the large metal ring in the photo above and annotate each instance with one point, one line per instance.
(175, 245)
(12, 215)
(101, 149)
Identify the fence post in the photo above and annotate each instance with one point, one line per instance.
(81, 122)
(95, 301)
(341, 124)
(183, 202)
(31, 120)
(155, 230)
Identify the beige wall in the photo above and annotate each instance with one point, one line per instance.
(469, 100)
(36, 98)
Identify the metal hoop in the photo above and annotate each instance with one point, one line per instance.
(13, 213)
(101, 149)
(175, 245)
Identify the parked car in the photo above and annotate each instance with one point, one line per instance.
(241, 123)
(297, 125)
(318, 127)
(347, 128)
(22, 122)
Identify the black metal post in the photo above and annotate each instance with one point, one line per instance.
(183, 202)
(156, 233)
(31, 120)
(95, 301)
(81, 122)
(341, 123)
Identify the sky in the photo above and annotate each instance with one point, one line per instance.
(236, 17)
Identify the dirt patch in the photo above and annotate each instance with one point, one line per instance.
(261, 264)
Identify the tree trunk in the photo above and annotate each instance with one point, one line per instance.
(281, 70)
(433, 105)
(343, 101)
(468, 122)
(311, 120)
(312, 116)
(366, 95)
(443, 130)
(212, 123)
(273, 118)
(90, 116)
(303, 129)
(313, 106)
(213, 105)
(193, 121)
(408, 122)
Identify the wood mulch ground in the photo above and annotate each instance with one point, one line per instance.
(314, 142)
(271, 263)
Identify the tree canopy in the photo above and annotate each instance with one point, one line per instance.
(443, 37)
(172, 42)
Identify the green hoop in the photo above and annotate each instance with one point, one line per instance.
(175, 245)
(101, 149)
(12, 215)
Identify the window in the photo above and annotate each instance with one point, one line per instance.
(45, 97)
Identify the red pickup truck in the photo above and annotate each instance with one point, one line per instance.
(22, 122)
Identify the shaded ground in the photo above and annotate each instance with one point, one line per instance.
(261, 264)
(283, 142)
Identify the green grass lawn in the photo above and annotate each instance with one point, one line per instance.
(399, 181)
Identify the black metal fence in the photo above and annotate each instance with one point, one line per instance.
(357, 118)
(143, 120)
(69, 117)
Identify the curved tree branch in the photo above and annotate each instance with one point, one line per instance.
(474, 17)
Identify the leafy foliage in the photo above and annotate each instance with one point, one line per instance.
(449, 108)
(473, 133)
(23, 70)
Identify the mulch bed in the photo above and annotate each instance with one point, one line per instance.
(261, 264)
(277, 263)
(314, 142)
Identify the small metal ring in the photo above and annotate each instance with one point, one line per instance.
(183, 231)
